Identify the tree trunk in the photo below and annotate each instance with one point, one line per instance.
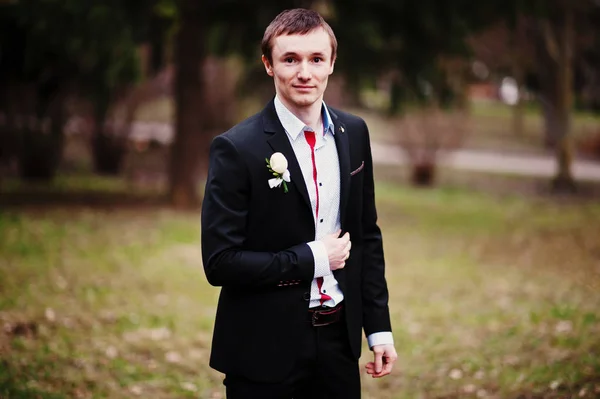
(108, 148)
(518, 109)
(108, 153)
(158, 27)
(41, 138)
(564, 144)
(548, 72)
(518, 116)
(41, 149)
(518, 74)
(423, 174)
(551, 125)
(188, 147)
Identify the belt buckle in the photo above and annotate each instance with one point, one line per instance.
(330, 316)
(315, 320)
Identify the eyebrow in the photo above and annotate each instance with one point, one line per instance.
(291, 53)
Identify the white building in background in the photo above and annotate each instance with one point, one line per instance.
(509, 91)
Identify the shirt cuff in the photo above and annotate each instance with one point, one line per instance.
(380, 338)
(321, 259)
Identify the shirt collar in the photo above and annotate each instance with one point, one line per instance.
(294, 126)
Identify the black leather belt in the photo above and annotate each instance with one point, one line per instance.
(323, 315)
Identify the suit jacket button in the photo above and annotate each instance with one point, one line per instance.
(306, 296)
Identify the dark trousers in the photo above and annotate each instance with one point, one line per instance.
(324, 369)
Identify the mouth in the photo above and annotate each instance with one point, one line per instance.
(303, 87)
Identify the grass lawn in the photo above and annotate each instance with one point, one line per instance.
(491, 297)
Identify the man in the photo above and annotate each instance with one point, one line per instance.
(293, 241)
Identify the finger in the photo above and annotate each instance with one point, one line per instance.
(391, 359)
(378, 362)
(370, 366)
(373, 374)
(379, 375)
(387, 367)
(382, 374)
(348, 246)
(345, 238)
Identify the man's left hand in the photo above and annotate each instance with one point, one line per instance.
(385, 356)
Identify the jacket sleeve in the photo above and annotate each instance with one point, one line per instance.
(224, 229)
(376, 315)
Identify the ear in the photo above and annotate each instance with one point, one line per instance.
(332, 65)
(267, 64)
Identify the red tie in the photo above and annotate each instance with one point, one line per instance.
(311, 139)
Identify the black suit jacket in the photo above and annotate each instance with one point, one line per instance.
(254, 246)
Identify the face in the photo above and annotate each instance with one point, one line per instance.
(301, 67)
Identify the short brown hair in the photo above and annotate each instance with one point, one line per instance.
(295, 21)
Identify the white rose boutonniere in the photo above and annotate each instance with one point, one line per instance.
(278, 167)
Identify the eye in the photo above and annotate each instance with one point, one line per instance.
(317, 59)
(288, 60)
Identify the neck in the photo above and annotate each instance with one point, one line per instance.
(310, 115)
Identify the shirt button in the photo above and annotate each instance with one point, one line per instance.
(324, 291)
(320, 184)
(306, 296)
(321, 221)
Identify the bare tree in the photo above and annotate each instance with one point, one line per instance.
(427, 134)
(556, 36)
(189, 145)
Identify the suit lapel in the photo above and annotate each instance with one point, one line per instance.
(279, 142)
(343, 148)
(342, 144)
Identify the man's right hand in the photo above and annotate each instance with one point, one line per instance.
(338, 249)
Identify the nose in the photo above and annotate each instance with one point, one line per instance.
(304, 71)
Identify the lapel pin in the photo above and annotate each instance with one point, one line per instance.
(342, 129)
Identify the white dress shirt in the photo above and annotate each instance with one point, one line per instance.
(328, 219)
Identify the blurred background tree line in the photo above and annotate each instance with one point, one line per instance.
(87, 68)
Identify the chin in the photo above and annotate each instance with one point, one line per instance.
(304, 101)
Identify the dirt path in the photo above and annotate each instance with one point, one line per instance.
(487, 161)
(475, 160)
